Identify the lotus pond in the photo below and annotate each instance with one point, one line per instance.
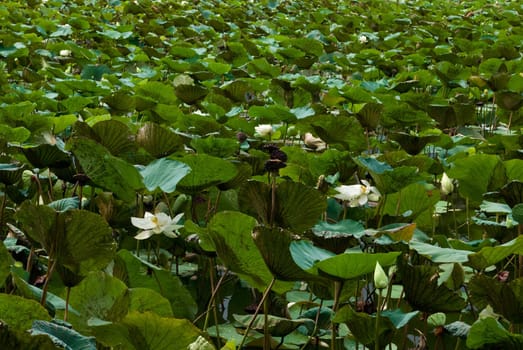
(261, 174)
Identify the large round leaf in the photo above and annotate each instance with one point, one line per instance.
(298, 207)
(130, 269)
(10, 173)
(98, 297)
(231, 233)
(105, 170)
(19, 313)
(274, 244)
(79, 240)
(148, 331)
(157, 140)
(163, 174)
(206, 171)
(115, 136)
(478, 174)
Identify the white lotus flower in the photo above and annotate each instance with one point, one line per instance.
(263, 130)
(358, 195)
(155, 224)
(65, 53)
(447, 185)
(363, 39)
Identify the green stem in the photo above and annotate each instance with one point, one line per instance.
(249, 326)
(66, 311)
(273, 199)
(46, 284)
(266, 334)
(377, 328)
(338, 285)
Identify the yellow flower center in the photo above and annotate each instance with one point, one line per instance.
(154, 219)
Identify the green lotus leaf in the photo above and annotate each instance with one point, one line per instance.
(342, 130)
(306, 255)
(190, 94)
(131, 270)
(98, 297)
(414, 198)
(509, 100)
(398, 317)
(145, 299)
(423, 292)
(338, 236)
(439, 254)
(157, 140)
(505, 298)
(490, 333)
(488, 256)
(19, 313)
(272, 114)
(120, 102)
(163, 174)
(63, 336)
(5, 264)
(277, 326)
(65, 204)
(206, 171)
(369, 116)
(274, 244)
(106, 171)
(478, 174)
(231, 233)
(115, 136)
(351, 265)
(362, 326)
(10, 173)
(79, 240)
(147, 331)
(298, 207)
(239, 91)
(158, 92)
(512, 192)
(215, 146)
(413, 144)
(47, 155)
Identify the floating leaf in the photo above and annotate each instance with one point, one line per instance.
(163, 174)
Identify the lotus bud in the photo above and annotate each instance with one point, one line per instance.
(447, 186)
(381, 281)
(437, 319)
(363, 39)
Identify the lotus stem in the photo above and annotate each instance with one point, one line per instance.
(66, 311)
(266, 334)
(2, 210)
(377, 328)
(338, 285)
(46, 284)
(249, 326)
(315, 329)
(212, 302)
(273, 199)
(213, 296)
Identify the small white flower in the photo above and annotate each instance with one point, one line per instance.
(363, 39)
(65, 53)
(263, 130)
(358, 195)
(447, 185)
(155, 224)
